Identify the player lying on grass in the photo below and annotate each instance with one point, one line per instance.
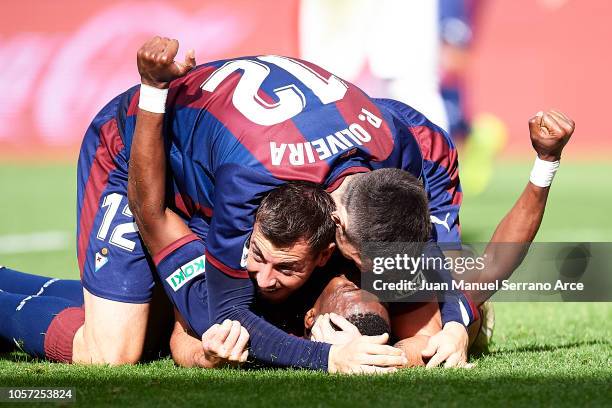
(342, 311)
(116, 331)
(332, 308)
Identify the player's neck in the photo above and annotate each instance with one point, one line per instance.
(338, 194)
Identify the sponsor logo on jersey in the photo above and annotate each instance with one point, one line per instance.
(438, 221)
(341, 142)
(186, 272)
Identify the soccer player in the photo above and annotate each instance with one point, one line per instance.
(343, 312)
(354, 311)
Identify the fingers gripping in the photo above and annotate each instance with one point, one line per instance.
(157, 65)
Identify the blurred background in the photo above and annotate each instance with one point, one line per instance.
(478, 68)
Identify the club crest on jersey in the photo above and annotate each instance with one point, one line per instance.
(343, 141)
(186, 273)
(101, 259)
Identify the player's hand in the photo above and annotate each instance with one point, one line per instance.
(323, 330)
(449, 345)
(365, 355)
(156, 63)
(224, 344)
(550, 131)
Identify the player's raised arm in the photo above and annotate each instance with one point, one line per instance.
(549, 132)
(158, 226)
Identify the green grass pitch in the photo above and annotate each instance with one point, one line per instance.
(544, 354)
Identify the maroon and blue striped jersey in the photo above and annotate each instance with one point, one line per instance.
(240, 127)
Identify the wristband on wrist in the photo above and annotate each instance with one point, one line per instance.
(152, 99)
(543, 172)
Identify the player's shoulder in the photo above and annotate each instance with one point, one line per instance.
(417, 123)
(404, 112)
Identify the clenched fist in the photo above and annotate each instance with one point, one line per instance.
(550, 131)
(156, 63)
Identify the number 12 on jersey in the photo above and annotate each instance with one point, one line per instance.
(112, 202)
(291, 100)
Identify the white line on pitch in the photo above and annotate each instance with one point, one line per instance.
(44, 241)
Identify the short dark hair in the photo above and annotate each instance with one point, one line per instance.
(297, 210)
(370, 324)
(386, 205)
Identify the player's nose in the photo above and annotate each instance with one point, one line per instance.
(264, 277)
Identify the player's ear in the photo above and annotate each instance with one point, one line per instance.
(337, 219)
(326, 254)
(340, 225)
(309, 319)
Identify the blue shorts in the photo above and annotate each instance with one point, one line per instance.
(113, 261)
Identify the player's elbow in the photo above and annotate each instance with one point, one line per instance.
(133, 201)
(177, 351)
(141, 204)
(188, 353)
(185, 349)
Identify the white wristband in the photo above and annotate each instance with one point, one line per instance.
(543, 172)
(152, 99)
